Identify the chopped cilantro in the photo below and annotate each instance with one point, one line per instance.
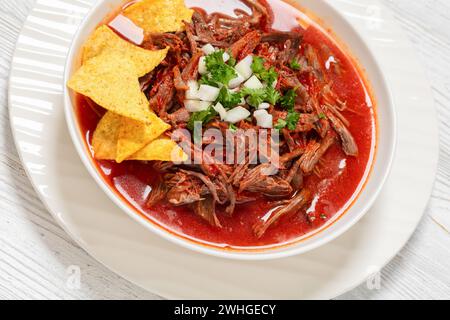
(290, 122)
(281, 124)
(255, 96)
(214, 59)
(269, 76)
(220, 72)
(288, 100)
(203, 116)
(292, 119)
(223, 74)
(258, 65)
(208, 81)
(232, 61)
(233, 127)
(258, 96)
(229, 99)
(322, 116)
(272, 95)
(295, 65)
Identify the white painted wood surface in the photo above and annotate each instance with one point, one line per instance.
(35, 253)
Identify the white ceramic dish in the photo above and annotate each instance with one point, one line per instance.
(355, 209)
(97, 225)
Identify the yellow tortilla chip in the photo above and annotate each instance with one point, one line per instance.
(104, 141)
(110, 81)
(162, 149)
(106, 138)
(158, 16)
(106, 40)
(135, 135)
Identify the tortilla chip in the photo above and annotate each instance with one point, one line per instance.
(135, 135)
(162, 149)
(106, 138)
(106, 40)
(110, 81)
(158, 16)
(104, 141)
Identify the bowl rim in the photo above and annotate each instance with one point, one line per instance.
(283, 251)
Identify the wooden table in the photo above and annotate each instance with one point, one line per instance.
(36, 254)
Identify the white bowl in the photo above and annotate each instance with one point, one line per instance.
(359, 206)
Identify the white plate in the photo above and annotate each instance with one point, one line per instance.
(37, 120)
(367, 192)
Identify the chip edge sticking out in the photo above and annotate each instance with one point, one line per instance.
(106, 136)
(170, 13)
(135, 135)
(110, 81)
(104, 39)
(176, 153)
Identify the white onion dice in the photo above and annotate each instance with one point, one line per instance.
(192, 92)
(226, 57)
(253, 83)
(237, 114)
(196, 105)
(220, 110)
(244, 67)
(208, 93)
(275, 83)
(202, 69)
(264, 106)
(208, 49)
(236, 82)
(263, 119)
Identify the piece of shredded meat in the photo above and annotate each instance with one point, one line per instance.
(292, 206)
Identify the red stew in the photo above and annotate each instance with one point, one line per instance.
(341, 177)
